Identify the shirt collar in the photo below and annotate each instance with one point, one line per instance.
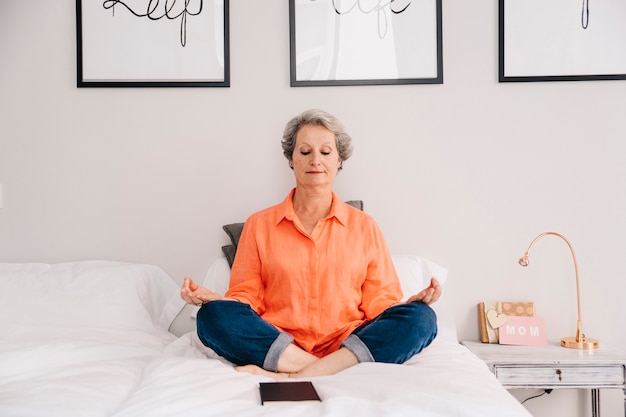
(338, 210)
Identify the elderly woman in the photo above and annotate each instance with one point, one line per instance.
(313, 289)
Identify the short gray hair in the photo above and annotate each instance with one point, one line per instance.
(319, 118)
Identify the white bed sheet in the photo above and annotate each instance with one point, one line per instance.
(59, 370)
(124, 374)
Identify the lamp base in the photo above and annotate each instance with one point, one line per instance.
(585, 343)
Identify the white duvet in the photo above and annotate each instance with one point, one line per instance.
(89, 339)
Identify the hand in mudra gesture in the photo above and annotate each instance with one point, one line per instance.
(195, 294)
(429, 294)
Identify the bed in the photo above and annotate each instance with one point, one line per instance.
(92, 338)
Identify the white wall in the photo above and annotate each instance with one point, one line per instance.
(465, 173)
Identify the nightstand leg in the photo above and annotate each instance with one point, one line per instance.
(595, 402)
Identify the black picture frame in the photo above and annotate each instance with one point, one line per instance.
(316, 43)
(560, 40)
(183, 43)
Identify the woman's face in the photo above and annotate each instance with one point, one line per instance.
(315, 158)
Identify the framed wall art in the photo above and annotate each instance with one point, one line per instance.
(365, 42)
(148, 43)
(561, 40)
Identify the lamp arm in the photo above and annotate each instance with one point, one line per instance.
(575, 269)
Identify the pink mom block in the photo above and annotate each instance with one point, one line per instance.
(528, 331)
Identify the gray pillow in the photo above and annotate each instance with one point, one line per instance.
(233, 231)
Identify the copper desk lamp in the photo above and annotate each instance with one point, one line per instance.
(579, 341)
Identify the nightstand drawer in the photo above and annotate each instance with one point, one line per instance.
(560, 375)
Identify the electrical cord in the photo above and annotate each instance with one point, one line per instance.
(547, 391)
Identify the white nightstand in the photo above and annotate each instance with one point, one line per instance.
(555, 367)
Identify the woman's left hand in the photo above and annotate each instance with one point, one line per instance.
(428, 295)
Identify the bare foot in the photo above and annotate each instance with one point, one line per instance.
(253, 369)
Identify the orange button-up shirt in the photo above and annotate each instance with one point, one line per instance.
(317, 287)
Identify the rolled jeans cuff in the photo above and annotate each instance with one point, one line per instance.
(360, 350)
(276, 349)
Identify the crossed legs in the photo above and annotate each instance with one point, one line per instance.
(236, 332)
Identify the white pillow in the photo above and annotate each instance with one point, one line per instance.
(415, 273)
(89, 293)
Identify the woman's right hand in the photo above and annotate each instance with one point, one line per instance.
(194, 294)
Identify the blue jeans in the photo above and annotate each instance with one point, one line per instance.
(236, 332)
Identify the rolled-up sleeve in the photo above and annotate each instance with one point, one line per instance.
(381, 288)
(246, 284)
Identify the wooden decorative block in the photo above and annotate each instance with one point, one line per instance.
(493, 314)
